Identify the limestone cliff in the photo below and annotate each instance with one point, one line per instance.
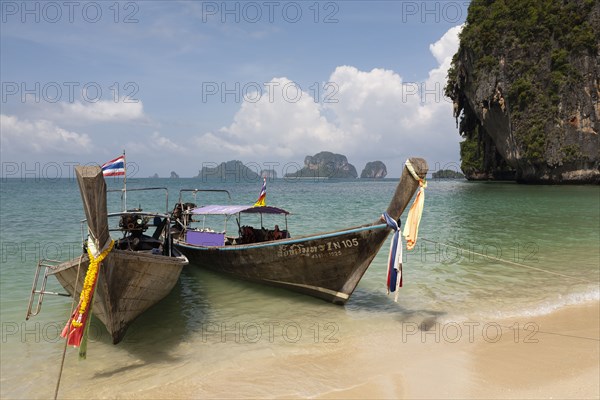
(374, 170)
(325, 165)
(525, 86)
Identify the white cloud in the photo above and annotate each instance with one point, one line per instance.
(446, 47)
(371, 105)
(156, 144)
(371, 115)
(104, 110)
(159, 142)
(281, 122)
(443, 50)
(40, 136)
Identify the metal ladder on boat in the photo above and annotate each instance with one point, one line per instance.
(48, 266)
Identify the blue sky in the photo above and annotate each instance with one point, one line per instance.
(184, 84)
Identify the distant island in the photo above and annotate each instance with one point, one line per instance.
(268, 173)
(174, 175)
(374, 170)
(325, 165)
(447, 174)
(233, 170)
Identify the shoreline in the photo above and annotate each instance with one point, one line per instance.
(555, 355)
(564, 363)
(550, 356)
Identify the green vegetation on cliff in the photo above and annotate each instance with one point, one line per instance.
(523, 79)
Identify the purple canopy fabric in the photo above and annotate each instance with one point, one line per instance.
(232, 209)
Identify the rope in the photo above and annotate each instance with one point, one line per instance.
(512, 262)
(62, 361)
(411, 169)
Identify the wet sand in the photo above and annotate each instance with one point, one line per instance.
(550, 356)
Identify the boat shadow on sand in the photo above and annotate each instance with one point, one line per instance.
(187, 312)
(377, 302)
(154, 335)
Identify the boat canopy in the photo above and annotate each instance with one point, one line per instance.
(233, 209)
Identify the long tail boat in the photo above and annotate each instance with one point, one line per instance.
(326, 265)
(138, 271)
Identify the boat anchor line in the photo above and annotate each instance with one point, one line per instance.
(64, 352)
(512, 262)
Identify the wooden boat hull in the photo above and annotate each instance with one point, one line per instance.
(128, 284)
(328, 266)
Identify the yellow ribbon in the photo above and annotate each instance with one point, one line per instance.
(411, 227)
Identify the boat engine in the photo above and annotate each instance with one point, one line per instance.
(133, 223)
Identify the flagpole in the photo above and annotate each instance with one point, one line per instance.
(125, 180)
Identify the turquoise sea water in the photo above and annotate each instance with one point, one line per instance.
(485, 251)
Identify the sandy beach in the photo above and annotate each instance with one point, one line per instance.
(550, 356)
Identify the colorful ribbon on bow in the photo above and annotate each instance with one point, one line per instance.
(410, 233)
(411, 229)
(76, 327)
(394, 277)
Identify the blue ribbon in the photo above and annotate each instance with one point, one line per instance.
(392, 270)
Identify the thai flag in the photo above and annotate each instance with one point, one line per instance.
(262, 197)
(114, 167)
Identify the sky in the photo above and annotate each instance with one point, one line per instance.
(184, 84)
